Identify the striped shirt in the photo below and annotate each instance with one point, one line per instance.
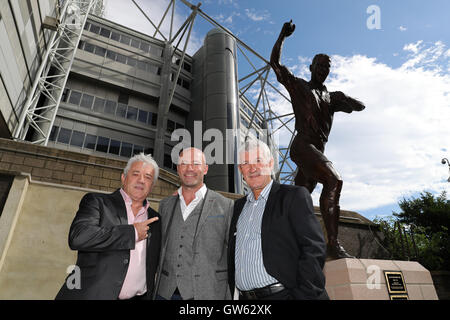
(250, 270)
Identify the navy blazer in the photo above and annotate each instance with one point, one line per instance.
(101, 234)
(292, 241)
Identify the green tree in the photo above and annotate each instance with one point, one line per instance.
(420, 231)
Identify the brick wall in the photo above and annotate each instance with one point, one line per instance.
(72, 169)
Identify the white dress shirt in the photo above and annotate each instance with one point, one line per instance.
(135, 283)
(187, 209)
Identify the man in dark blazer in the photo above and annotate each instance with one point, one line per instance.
(276, 245)
(118, 238)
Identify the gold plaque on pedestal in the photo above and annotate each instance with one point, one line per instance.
(395, 284)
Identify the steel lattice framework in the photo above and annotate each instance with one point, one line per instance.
(43, 101)
(256, 91)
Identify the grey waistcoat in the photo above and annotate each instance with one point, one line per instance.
(178, 261)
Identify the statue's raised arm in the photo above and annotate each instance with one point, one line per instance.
(282, 72)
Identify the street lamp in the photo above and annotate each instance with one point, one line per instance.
(443, 161)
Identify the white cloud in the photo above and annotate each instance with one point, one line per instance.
(402, 28)
(394, 147)
(413, 47)
(226, 20)
(257, 15)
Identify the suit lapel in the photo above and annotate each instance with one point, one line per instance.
(150, 214)
(205, 212)
(119, 207)
(268, 213)
(168, 213)
(271, 199)
(238, 206)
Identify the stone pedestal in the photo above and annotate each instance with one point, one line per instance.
(364, 279)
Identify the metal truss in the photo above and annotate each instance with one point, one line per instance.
(255, 88)
(39, 112)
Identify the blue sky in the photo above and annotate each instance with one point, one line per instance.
(391, 150)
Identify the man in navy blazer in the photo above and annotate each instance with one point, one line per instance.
(118, 238)
(276, 245)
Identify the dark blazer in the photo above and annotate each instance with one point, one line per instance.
(101, 234)
(292, 241)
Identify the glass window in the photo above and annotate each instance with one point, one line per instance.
(132, 113)
(187, 67)
(156, 51)
(145, 46)
(110, 54)
(65, 95)
(131, 62)
(115, 36)
(142, 117)
(121, 58)
(86, 101)
(186, 84)
(98, 104)
(86, 26)
(152, 68)
(100, 51)
(77, 139)
(137, 149)
(125, 39)
(148, 151)
(121, 110)
(89, 47)
(135, 43)
(81, 45)
(170, 125)
(89, 142)
(152, 119)
(105, 32)
(114, 147)
(110, 107)
(142, 65)
(64, 135)
(95, 29)
(53, 133)
(126, 149)
(75, 97)
(102, 144)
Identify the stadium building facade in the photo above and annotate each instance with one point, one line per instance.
(114, 101)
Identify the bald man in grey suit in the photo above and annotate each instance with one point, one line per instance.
(195, 225)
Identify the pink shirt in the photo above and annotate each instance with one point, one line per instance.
(135, 282)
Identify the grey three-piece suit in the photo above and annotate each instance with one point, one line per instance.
(194, 252)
